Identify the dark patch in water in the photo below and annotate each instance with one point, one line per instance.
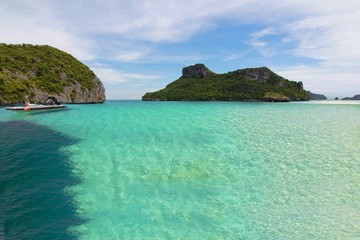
(33, 175)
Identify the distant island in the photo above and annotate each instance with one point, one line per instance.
(356, 97)
(38, 73)
(198, 83)
(314, 96)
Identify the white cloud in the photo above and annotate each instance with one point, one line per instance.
(110, 76)
(157, 21)
(163, 20)
(25, 22)
(318, 79)
(233, 56)
(257, 42)
(124, 85)
(265, 32)
(148, 56)
(130, 56)
(327, 38)
(328, 34)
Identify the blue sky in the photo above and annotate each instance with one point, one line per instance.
(136, 46)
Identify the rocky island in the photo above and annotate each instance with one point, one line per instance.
(356, 97)
(198, 83)
(315, 96)
(39, 73)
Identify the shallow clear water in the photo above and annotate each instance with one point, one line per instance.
(198, 170)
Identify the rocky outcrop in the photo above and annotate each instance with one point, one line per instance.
(196, 71)
(261, 74)
(72, 94)
(314, 96)
(265, 75)
(356, 97)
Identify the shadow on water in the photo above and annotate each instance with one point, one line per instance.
(33, 175)
(49, 111)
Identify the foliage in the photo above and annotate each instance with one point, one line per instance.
(25, 67)
(231, 86)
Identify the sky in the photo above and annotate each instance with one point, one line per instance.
(139, 46)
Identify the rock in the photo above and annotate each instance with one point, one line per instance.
(300, 86)
(356, 97)
(72, 94)
(261, 74)
(51, 101)
(196, 71)
(265, 75)
(314, 96)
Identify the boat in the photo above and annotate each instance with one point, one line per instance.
(31, 107)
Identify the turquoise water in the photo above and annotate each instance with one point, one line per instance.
(198, 170)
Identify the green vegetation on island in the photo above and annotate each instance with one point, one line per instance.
(37, 72)
(198, 83)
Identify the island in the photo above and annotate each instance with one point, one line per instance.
(198, 83)
(356, 97)
(315, 96)
(37, 73)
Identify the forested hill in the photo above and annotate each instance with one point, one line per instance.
(198, 83)
(38, 72)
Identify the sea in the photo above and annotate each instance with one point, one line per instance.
(181, 170)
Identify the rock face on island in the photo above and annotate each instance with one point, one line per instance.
(198, 83)
(196, 71)
(356, 97)
(38, 73)
(314, 96)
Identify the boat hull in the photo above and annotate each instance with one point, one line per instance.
(35, 107)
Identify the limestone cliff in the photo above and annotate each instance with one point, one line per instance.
(39, 72)
(196, 71)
